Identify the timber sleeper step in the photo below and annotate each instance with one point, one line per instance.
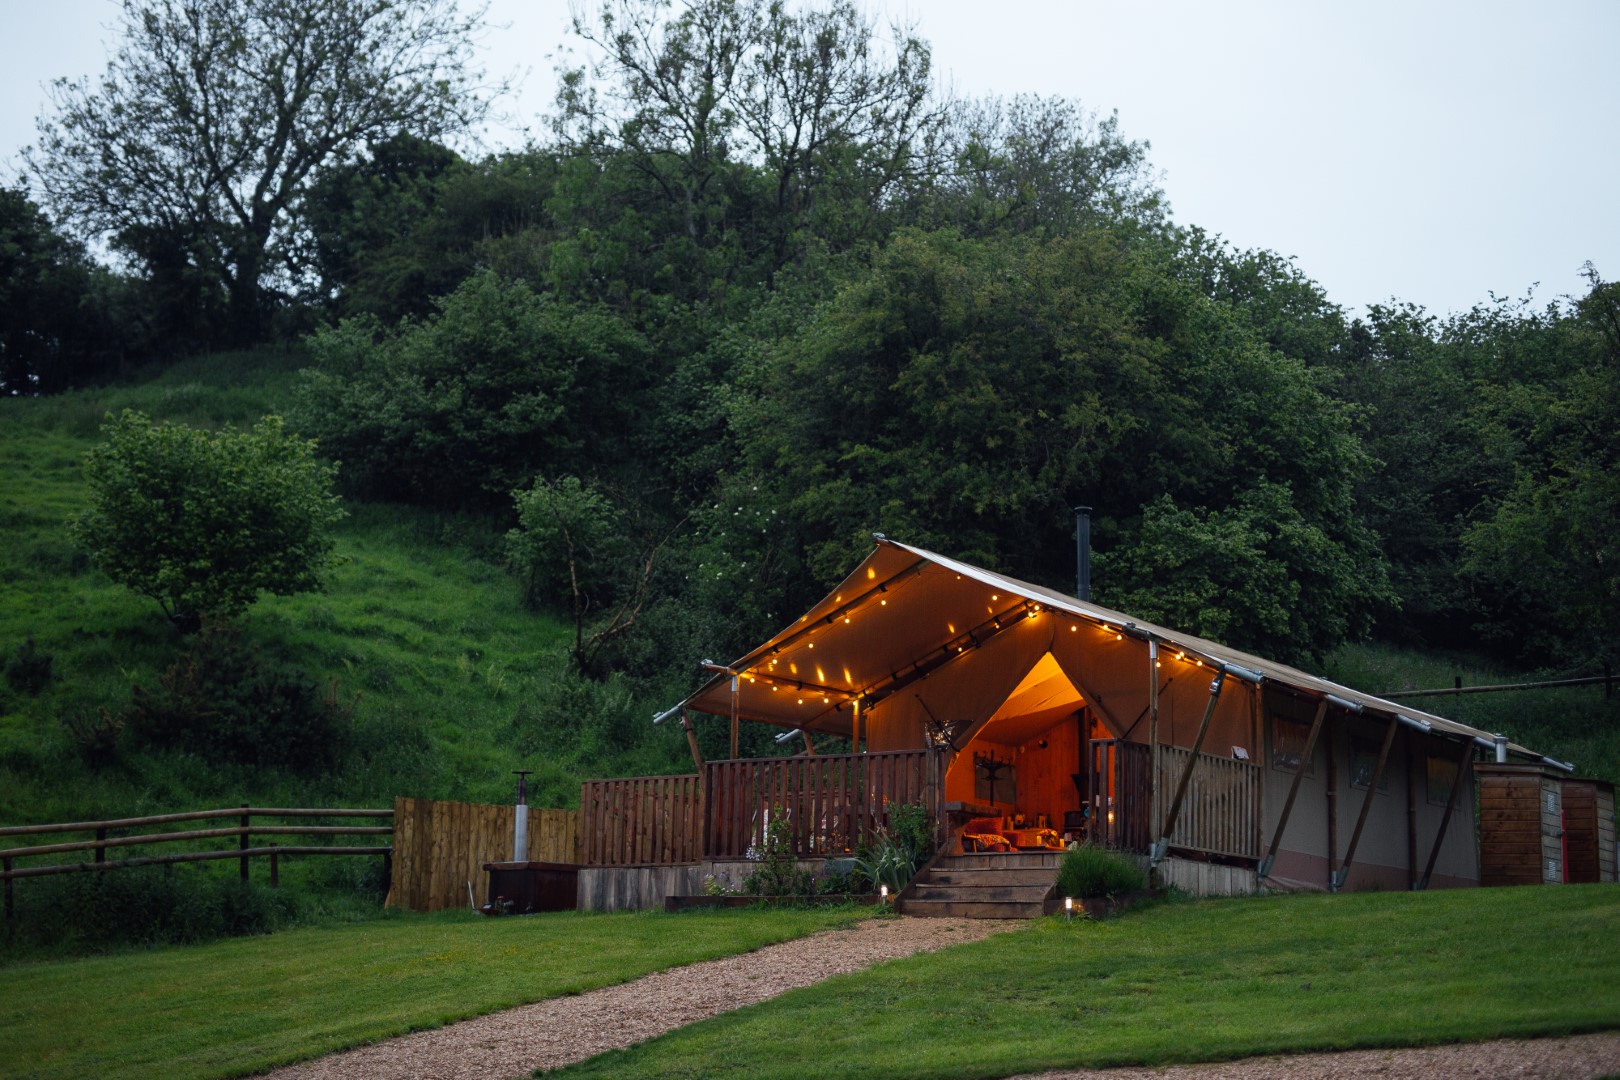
(971, 909)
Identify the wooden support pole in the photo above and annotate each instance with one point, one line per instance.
(275, 868)
(735, 734)
(1192, 759)
(101, 840)
(11, 903)
(809, 747)
(1258, 749)
(1332, 810)
(1366, 804)
(1155, 796)
(247, 822)
(1464, 761)
(1293, 789)
(1411, 811)
(691, 740)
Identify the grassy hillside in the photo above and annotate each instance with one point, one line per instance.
(457, 683)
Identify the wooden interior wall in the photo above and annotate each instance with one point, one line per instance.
(441, 847)
(1045, 775)
(1045, 783)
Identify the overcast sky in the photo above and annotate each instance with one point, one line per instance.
(1430, 152)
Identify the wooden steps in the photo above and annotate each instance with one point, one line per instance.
(1020, 885)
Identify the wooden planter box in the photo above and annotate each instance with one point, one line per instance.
(1106, 907)
(686, 903)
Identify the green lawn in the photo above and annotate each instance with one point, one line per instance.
(239, 1006)
(1184, 982)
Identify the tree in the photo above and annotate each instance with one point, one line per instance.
(195, 150)
(203, 523)
(459, 409)
(1547, 544)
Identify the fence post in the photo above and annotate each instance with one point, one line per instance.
(101, 852)
(11, 907)
(275, 867)
(246, 820)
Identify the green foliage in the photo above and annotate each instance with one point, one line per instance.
(142, 906)
(1303, 593)
(965, 394)
(1547, 542)
(28, 668)
(500, 384)
(1089, 871)
(778, 873)
(216, 202)
(225, 698)
(204, 523)
(894, 852)
(569, 547)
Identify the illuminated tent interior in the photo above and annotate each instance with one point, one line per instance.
(1019, 686)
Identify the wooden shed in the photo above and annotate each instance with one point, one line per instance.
(1523, 834)
(1589, 831)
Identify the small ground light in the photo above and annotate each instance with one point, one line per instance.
(883, 894)
(1068, 907)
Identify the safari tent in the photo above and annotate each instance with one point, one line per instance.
(1009, 708)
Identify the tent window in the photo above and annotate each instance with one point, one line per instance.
(1442, 774)
(1288, 745)
(1363, 761)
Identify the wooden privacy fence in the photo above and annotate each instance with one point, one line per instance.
(244, 830)
(1218, 811)
(440, 848)
(641, 821)
(832, 802)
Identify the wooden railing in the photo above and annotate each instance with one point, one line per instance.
(640, 821)
(832, 802)
(1218, 812)
(243, 830)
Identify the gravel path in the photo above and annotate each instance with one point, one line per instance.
(1579, 1057)
(560, 1031)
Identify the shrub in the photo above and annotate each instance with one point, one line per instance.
(778, 873)
(203, 523)
(96, 733)
(29, 670)
(228, 698)
(1095, 871)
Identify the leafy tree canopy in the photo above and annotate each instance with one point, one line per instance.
(195, 150)
(204, 523)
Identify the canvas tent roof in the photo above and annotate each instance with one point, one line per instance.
(906, 615)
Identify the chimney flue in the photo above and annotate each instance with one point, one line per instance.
(1082, 552)
(520, 821)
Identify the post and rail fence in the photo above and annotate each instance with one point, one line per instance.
(244, 830)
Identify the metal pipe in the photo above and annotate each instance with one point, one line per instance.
(667, 713)
(1344, 703)
(1555, 763)
(1248, 675)
(786, 735)
(1082, 552)
(1414, 722)
(1501, 748)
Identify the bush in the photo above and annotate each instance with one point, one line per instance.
(28, 671)
(1095, 871)
(778, 873)
(227, 698)
(203, 523)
